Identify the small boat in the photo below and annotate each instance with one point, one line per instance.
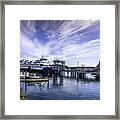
(34, 79)
(90, 76)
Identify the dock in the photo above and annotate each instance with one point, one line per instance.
(34, 80)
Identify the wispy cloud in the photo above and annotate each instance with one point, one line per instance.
(70, 40)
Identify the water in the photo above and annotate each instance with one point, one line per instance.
(62, 89)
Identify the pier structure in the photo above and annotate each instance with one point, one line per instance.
(75, 73)
(69, 72)
(59, 66)
(80, 72)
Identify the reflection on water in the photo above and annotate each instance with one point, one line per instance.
(59, 88)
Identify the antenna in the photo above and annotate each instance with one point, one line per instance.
(77, 63)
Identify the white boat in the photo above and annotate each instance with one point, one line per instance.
(90, 76)
(38, 64)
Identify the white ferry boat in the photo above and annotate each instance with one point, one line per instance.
(36, 64)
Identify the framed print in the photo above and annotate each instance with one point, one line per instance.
(59, 59)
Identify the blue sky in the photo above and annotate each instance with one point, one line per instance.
(70, 40)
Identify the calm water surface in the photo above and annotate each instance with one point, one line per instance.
(62, 89)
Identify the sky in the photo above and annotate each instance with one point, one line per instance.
(77, 42)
